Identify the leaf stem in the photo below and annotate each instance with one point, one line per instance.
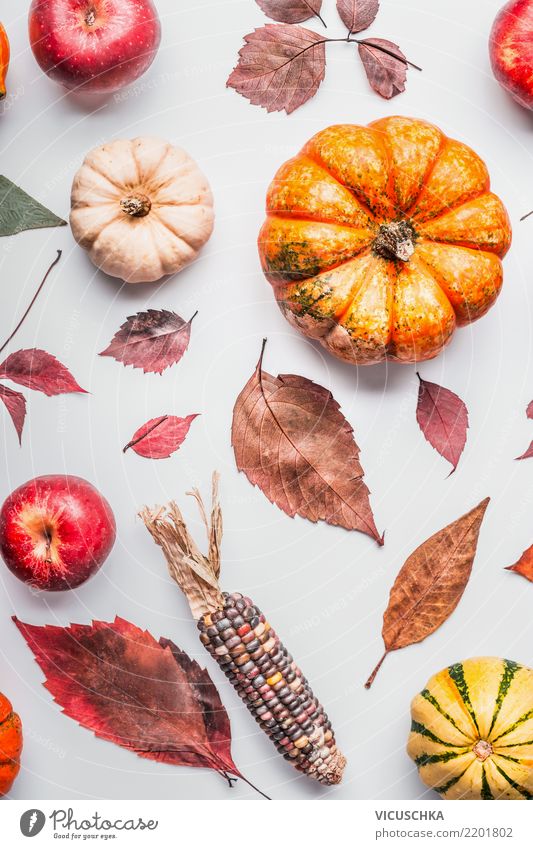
(43, 281)
(375, 672)
(257, 790)
(526, 216)
(384, 50)
(145, 434)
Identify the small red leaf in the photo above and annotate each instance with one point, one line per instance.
(290, 11)
(385, 66)
(151, 340)
(524, 566)
(529, 410)
(125, 687)
(443, 419)
(16, 406)
(161, 437)
(357, 14)
(280, 67)
(527, 454)
(39, 370)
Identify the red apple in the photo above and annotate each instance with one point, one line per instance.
(94, 45)
(511, 50)
(56, 531)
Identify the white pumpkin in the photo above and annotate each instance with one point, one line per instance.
(141, 208)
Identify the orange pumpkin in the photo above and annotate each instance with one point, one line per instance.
(380, 240)
(10, 745)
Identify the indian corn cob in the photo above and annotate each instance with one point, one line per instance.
(249, 652)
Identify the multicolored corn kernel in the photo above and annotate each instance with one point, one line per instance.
(272, 686)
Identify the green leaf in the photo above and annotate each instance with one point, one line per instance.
(19, 211)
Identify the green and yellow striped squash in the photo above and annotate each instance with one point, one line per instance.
(472, 730)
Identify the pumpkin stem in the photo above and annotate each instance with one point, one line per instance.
(395, 241)
(482, 750)
(136, 205)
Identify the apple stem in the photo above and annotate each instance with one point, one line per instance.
(43, 281)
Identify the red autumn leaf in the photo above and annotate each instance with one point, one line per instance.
(529, 410)
(151, 340)
(385, 66)
(280, 67)
(443, 419)
(16, 406)
(39, 370)
(357, 14)
(527, 454)
(524, 566)
(292, 441)
(149, 697)
(161, 437)
(290, 11)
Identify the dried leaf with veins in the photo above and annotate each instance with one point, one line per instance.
(280, 67)
(528, 453)
(443, 419)
(385, 66)
(357, 15)
(292, 441)
(151, 340)
(430, 584)
(291, 11)
(160, 437)
(15, 404)
(127, 688)
(524, 566)
(39, 370)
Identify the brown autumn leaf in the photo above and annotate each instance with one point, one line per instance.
(357, 15)
(292, 441)
(127, 688)
(430, 584)
(443, 419)
(152, 340)
(160, 437)
(15, 404)
(291, 11)
(385, 66)
(524, 566)
(280, 67)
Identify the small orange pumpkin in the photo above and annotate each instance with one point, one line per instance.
(10, 745)
(4, 60)
(380, 240)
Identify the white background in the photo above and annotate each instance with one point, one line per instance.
(324, 589)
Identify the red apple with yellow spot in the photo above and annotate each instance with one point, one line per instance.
(95, 46)
(511, 50)
(56, 531)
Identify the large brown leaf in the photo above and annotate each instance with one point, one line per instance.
(149, 697)
(292, 441)
(280, 67)
(431, 583)
(290, 11)
(524, 566)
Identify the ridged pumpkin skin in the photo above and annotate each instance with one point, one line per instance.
(10, 745)
(380, 240)
(4, 60)
(472, 730)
